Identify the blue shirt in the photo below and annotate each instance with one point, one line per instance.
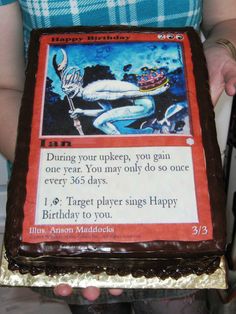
(158, 13)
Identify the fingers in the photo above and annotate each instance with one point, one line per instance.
(229, 77)
(222, 71)
(115, 292)
(216, 91)
(63, 290)
(91, 293)
(225, 80)
(74, 114)
(230, 89)
(230, 84)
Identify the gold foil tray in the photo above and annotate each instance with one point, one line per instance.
(217, 280)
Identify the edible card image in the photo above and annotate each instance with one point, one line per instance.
(116, 141)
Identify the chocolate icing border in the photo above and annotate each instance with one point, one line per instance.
(153, 249)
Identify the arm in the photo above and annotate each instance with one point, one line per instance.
(11, 76)
(85, 112)
(219, 22)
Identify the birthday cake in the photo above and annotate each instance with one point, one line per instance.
(151, 79)
(117, 166)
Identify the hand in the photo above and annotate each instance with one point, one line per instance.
(89, 293)
(74, 114)
(221, 69)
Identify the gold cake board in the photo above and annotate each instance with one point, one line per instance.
(217, 280)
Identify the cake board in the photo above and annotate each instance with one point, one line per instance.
(217, 280)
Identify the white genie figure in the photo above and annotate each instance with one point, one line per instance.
(105, 91)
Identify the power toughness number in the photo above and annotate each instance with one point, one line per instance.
(199, 230)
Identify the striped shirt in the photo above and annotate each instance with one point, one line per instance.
(158, 13)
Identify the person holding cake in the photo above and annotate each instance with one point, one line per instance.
(215, 19)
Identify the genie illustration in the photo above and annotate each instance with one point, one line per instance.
(107, 118)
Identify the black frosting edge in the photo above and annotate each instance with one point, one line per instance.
(214, 167)
(161, 268)
(16, 188)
